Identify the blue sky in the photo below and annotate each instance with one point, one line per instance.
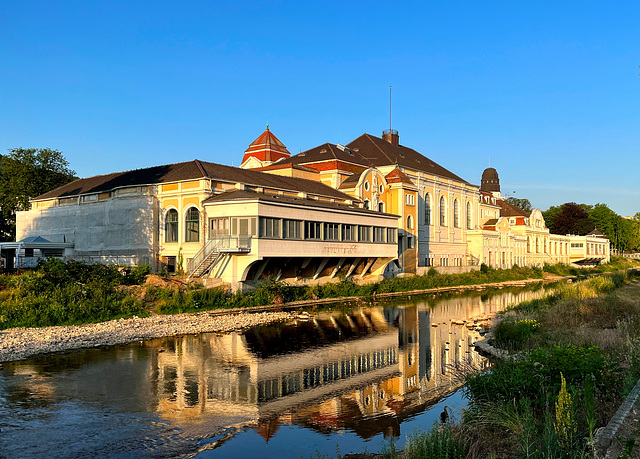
(547, 92)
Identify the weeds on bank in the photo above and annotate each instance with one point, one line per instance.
(277, 292)
(59, 293)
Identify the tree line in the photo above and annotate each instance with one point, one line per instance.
(581, 219)
(26, 173)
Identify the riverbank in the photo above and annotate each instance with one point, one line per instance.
(27, 342)
(24, 343)
(564, 384)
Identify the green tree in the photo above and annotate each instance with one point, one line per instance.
(522, 203)
(550, 216)
(26, 173)
(572, 219)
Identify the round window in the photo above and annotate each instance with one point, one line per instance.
(366, 186)
(381, 188)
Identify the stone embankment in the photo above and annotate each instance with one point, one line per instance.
(24, 343)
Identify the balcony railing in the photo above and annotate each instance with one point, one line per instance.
(221, 244)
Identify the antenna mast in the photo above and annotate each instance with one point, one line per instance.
(389, 107)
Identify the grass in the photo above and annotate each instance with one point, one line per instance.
(60, 293)
(579, 355)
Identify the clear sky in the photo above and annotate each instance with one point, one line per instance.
(548, 93)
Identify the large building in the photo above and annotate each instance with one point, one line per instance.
(364, 209)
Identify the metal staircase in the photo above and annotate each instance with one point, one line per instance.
(213, 251)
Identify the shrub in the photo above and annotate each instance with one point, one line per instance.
(514, 334)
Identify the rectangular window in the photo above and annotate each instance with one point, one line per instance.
(391, 235)
(218, 227)
(364, 233)
(378, 234)
(270, 227)
(348, 232)
(291, 229)
(332, 231)
(313, 230)
(410, 199)
(409, 242)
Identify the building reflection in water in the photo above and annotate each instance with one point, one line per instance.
(364, 370)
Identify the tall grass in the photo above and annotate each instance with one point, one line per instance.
(59, 293)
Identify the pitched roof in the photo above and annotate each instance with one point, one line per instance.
(397, 176)
(379, 152)
(350, 181)
(267, 147)
(596, 232)
(509, 210)
(244, 195)
(328, 152)
(370, 151)
(191, 170)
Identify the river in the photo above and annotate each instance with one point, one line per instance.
(348, 379)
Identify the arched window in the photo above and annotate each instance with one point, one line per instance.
(443, 211)
(192, 225)
(381, 207)
(469, 219)
(171, 226)
(410, 222)
(537, 245)
(456, 213)
(529, 244)
(427, 209)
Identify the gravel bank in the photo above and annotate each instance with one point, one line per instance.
(24, 343)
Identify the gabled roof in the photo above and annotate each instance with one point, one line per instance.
(379, 152)
(327, 152)
(597, 233)
(397, 176)
(191, 170)
(509, 210)
(371, 151)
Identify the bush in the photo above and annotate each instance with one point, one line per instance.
(515, 334)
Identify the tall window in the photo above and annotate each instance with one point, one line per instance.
(192, 225)
(378, 234)
(410, 222)
(456, 213)
(171, 226)
(427, 209)
(443, 211)
(469, 222)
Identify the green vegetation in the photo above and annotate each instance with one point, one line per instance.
(26, 173)
(579, 355)
(169, 301)
(59, 293)
(572, 218)
(616, 264)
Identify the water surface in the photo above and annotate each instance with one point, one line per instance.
(344, 381)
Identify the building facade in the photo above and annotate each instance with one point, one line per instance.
(369, 208)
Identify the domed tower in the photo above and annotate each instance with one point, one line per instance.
(490, 181)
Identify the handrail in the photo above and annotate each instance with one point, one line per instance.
(218, 244)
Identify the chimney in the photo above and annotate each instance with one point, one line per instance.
(391, 136)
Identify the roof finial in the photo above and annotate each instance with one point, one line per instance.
(267, 126)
